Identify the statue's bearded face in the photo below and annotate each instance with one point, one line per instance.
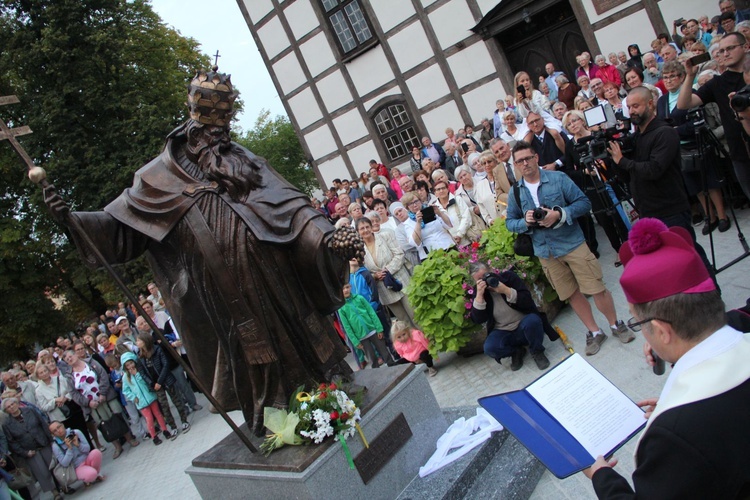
(221, 161)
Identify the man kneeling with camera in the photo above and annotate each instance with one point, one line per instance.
(513, 321)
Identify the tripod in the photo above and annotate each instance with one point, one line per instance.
(708, 150)
(606, 204)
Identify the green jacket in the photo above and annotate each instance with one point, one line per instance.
(358, 319)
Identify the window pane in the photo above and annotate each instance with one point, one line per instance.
(359, 24)
(329, 4)
(399, 114)
(409, 138)
(343, 32)
(394, 147)
(383, 121)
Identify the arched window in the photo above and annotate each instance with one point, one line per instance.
(396, 129)
(349, 23)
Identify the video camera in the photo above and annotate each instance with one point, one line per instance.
(741, 100)
(616, 128)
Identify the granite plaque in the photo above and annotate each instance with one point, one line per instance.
(382, 448)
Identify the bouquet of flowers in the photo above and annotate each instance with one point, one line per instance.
(312, 417)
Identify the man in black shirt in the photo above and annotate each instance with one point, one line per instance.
(733, 48)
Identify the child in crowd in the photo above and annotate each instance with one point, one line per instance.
(137, 426)
(411, 345)
(137, 390)
(363, 327)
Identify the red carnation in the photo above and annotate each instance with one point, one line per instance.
(322, 387)
(332, 387)
(344, 417)
(323, 395)
(334, 415)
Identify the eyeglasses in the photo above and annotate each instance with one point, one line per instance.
(636, 326)
(670, 77)
(524, 161)
(532, 122)
(727, 50)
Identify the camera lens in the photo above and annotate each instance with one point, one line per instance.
(539, 214)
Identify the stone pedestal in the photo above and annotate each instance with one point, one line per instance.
(401, 420)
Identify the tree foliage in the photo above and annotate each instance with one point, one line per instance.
(275, 140)
(101, 84)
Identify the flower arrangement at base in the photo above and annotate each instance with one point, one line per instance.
(313, 417)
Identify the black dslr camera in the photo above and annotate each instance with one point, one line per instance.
(539, 214)
(741, 100)
(492, 279)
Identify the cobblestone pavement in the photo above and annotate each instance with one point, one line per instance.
(158, 472)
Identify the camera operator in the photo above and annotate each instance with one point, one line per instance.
(654, 171)
(732, 50)
(513, 321)
(550, 204)
(592, 175)
(674, 75)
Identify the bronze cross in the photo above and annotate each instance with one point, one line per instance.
(10, 134)
(216, 58)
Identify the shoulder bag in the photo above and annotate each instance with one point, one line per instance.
(523, 245)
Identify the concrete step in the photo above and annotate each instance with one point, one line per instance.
(499, 468)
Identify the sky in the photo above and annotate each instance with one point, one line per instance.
(219, 25)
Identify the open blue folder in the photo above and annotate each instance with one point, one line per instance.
(540, 433)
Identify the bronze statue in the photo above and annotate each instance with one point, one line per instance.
(242, 259)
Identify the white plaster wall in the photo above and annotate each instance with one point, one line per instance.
(481, 100)
(427, 86)
(588, 5)
(410, 46)
(317, 54)
(441, 118)
(305, 109)
(452, 22)
(301, 18)
(471, 64)
(258, 9)
(289, 73)
(320, 141)
(619, 35)
(350, 126)
(273, 37)
(391, 12)
(675, 9)
(487, 5)
(333, 169)
(334, 91)
(372, 102)
(370, 70)
(361, 156)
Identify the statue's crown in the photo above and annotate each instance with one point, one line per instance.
(211, 98)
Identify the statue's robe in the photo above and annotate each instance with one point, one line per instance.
(259, 330)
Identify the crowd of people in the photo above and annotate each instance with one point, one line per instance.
(453, 189)
(112, 383)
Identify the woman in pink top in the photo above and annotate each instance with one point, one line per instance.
(395, 176)
(411, 345)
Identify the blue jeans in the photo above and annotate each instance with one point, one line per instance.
(503, 343)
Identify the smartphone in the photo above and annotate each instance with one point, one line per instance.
(521, 90)
(465, 147)
(679, 21)
(700, 59)
(428, 214)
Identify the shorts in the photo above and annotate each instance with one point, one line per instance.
(578, 269)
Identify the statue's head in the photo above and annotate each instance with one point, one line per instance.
(211, 98)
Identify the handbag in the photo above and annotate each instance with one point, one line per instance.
(21, 477)
(391, 283)
(111, 425)
(65, 475)
(523, 245)
(690, 161)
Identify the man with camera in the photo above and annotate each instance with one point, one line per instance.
(653, 172)
(550, 204)
(503, 302)
(733, 49)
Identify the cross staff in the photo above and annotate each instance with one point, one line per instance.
(216, 58)
(39, 176)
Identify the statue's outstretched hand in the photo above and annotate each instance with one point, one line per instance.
(57, 206)
(347, 244)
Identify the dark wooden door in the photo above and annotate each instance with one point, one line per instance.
(553, 35)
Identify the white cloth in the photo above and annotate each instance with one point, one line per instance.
(463, 436)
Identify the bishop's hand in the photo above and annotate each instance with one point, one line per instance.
(347, 244)
(57, 206)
